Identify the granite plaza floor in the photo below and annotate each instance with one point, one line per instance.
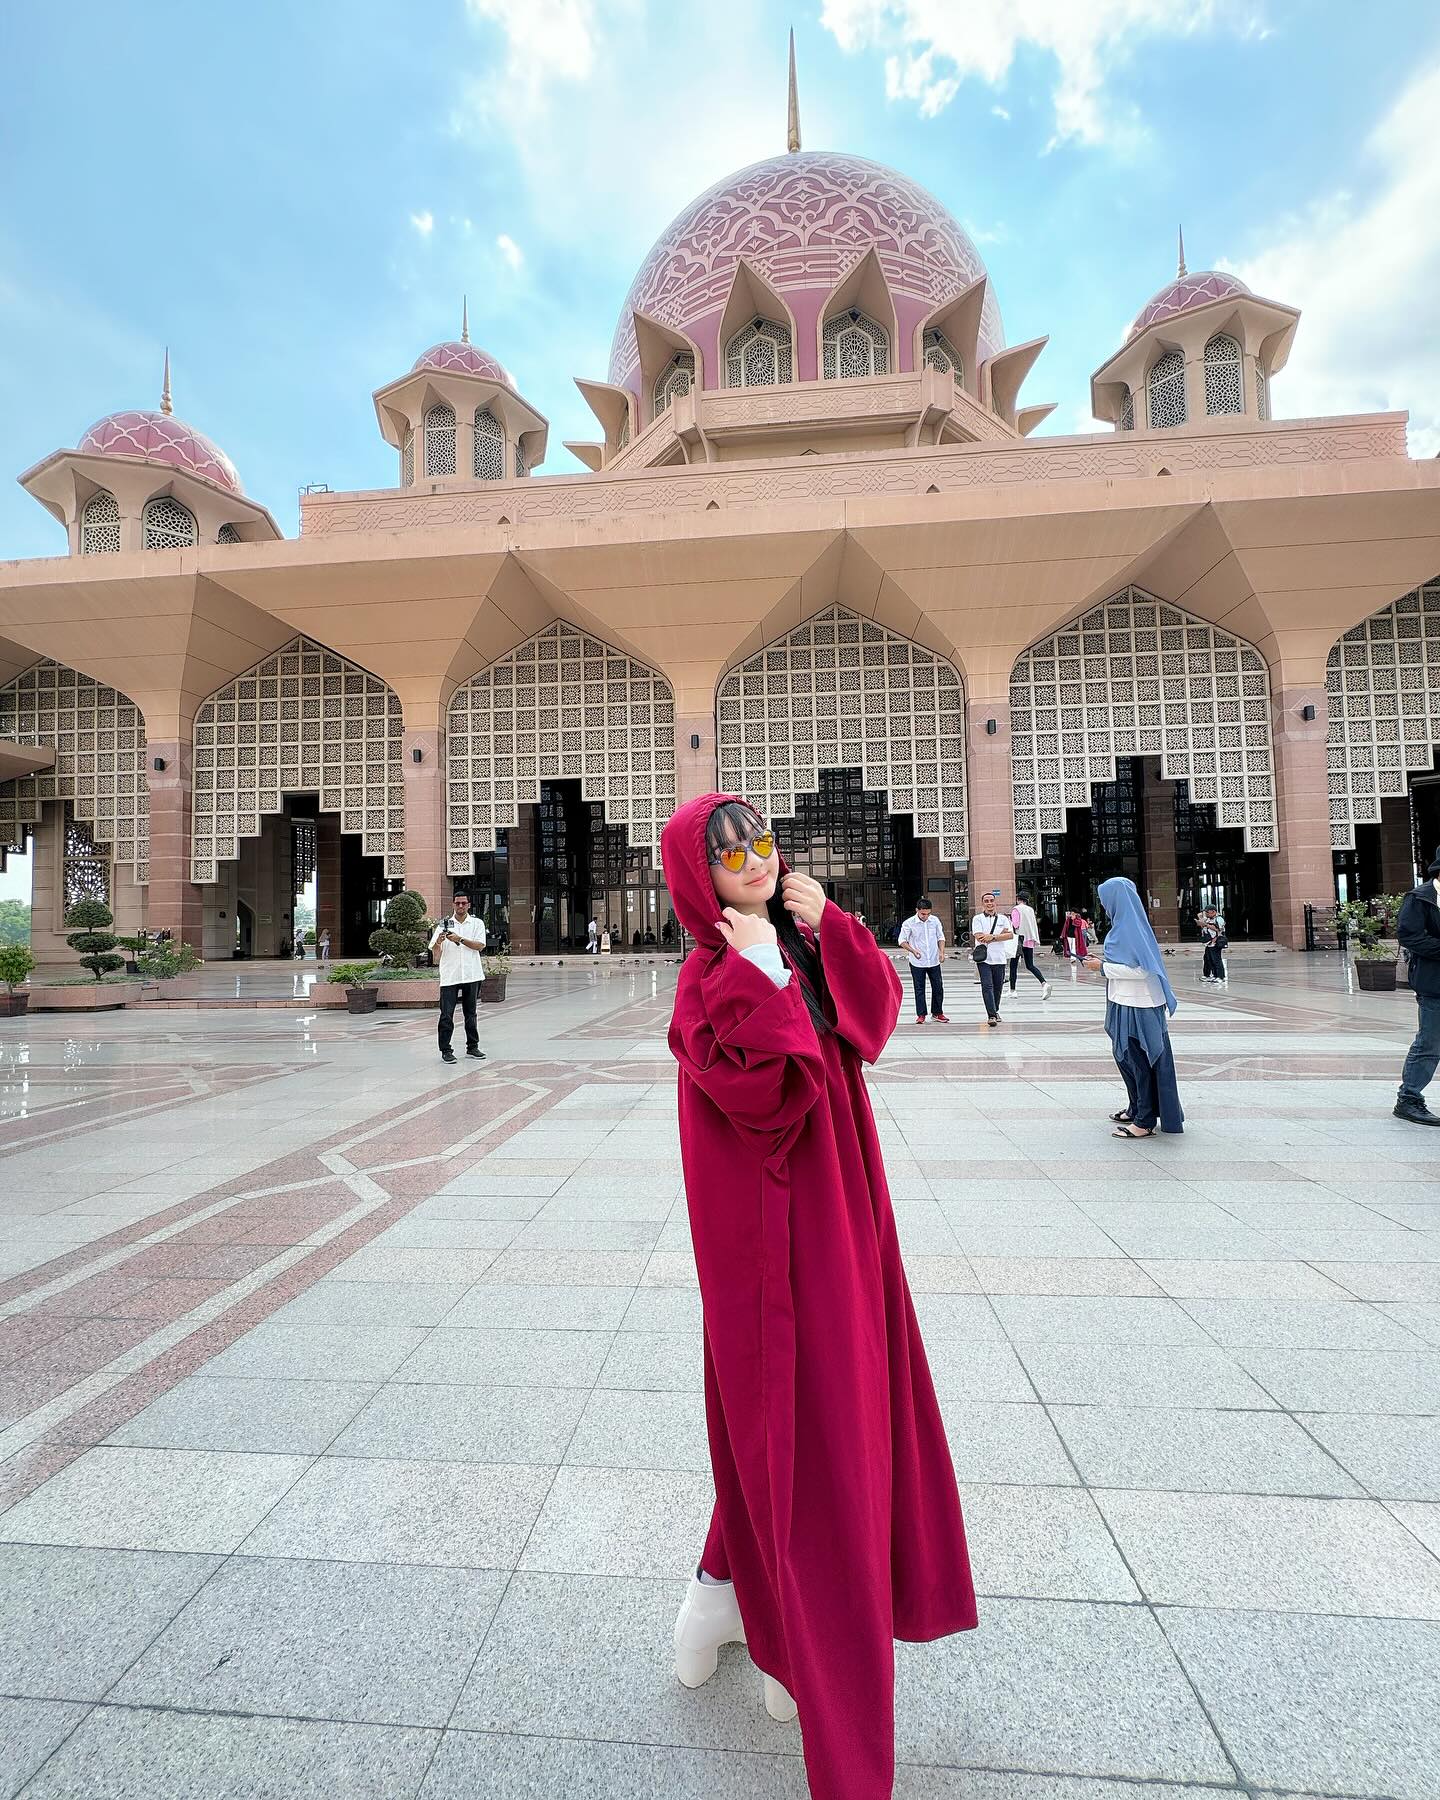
(351, 1440)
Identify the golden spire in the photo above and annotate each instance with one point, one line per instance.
(166, 405)
(792, 118)
(1181, 269)
(465, 319)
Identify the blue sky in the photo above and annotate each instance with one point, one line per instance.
(295, 198)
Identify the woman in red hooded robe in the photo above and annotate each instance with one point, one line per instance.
(837, 1521)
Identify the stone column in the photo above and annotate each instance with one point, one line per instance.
(425, 823)
(1162, 875)
(523, 873)
(327, 882)
(990, 800)
(1397, 845)
(696, 767)
(1302, 870)
(172, 899)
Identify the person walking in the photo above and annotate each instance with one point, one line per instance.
(837, 1525)
(1212, 934)
(1027, 941)
(460, 939)
(1418, 929)
(992, 934)
(324, 945)
(922, 938)
(1066, 939)
(1138, 1000)
(592, 938)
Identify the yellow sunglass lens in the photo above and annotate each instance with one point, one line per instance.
(733, 859)
(764, 844)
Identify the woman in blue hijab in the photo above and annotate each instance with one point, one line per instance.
(1138, 1000)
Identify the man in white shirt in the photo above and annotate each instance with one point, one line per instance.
(922, 938)
(993, 933)
(461, 939)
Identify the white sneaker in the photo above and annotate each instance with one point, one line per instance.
(1044, 990)
(708, 1618)
(778, 1703)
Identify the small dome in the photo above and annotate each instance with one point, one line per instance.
(1183, 294)
(459, 357)
(160, 437)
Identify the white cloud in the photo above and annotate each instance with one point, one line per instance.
(999, 112)
(944, 43)
(510, 250)
(424, 223)
(546, 40)
(1365, 275)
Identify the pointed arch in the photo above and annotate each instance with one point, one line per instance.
(487, 461)
(100, 525)
(1224, 382)
(1137, 677)
(440, 439)
(842, 692)
(853, 346)
(166, 524)
(1382, 691)
(1165, 391)
(757, 333)
(98, 735)
(561, 706)
(303, 720)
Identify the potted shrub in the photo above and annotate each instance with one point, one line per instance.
(90, 934)
(168, 962)
(1368, 925)
(16, 962)
(492, 986)
(361, 993)
(402, 939)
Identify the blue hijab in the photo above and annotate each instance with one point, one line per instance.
(1130, 939)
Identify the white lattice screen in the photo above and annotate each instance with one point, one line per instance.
(99, 740)
(1382, 683)
(1135, 677)
(840, 692)
(561, 706)
(302, 721)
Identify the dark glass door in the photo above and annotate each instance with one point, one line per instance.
(865, 857)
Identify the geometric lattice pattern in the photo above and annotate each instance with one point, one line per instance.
(1165, 386)
(1382, 684)
(99, 741)
(853, 346)
(302, 721)
(1136, 677)
(561, 706)
(1224, 391)
(841, 692)
(759, 356)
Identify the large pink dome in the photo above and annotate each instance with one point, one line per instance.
(160, 437)
(461, 357)
(803, 220)
(1184, 293)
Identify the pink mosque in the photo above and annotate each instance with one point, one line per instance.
(813, 554)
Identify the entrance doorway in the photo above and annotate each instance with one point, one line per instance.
(865, 857)
(1388, 856)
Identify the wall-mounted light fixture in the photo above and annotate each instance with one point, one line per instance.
(417, 754)
(694, 740)
(1307, 713)
(158, 763)
(991, 728)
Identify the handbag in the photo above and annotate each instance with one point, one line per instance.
(981, 952)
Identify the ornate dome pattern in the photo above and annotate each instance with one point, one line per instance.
(803, 219)
(160, 437)
(1185, 292)
(459, 357)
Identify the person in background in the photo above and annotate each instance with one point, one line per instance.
(1084, 935)
(993, 935)
(1212, 934)
(299, 944)
(1418, 928)
(592, 938)
(1066, 939)
(460, 941)
(1138, 1001)
(922, 938)
(605, 941)
(1027, 940)
(324, 945)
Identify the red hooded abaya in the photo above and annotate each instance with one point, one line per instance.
(836, 1510)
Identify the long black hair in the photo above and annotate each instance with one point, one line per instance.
(802, 953)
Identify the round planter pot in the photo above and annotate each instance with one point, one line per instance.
(362, 999)
(492, 989)
(1375, 977)
(14, 1006)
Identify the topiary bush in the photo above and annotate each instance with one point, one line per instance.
(351, 974)
(165, 962)
(406, 932)
(16, 962)
(89, 922)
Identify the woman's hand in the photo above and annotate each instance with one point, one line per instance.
(1094, 962)
(742, 931)
(803, 897)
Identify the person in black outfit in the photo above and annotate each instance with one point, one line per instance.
(1418, 928)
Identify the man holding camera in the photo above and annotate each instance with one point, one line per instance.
(460, 940)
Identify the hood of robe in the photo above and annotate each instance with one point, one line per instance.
(686, 862)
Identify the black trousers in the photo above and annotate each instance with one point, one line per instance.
(1028, 952)
(937, 989)
(1214, 961)
(467, 993)
(992, 986)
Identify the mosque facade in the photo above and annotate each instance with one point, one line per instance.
(813, 554)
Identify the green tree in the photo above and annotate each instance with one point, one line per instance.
(406, 931)
(90, 921)
(14, 922)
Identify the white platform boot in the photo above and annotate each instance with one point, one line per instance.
(778, 1703)
(709, 1617)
